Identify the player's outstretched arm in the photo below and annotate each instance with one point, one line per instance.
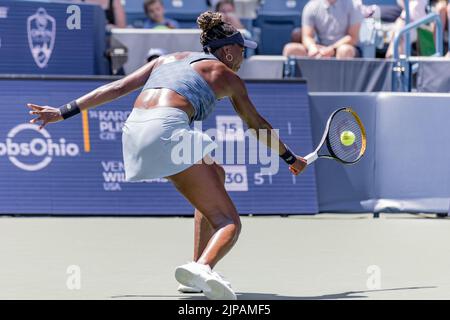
(99, 96)
(248, 113)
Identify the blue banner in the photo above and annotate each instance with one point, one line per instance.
(51, 38)
(76, 166)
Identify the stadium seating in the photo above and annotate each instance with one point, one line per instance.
(380, 2)
(135, 12)
(277, 19)
(185, 11)
(282, 6)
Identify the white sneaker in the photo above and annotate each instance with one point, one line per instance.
(186, 289)
(193, 275)
(200, 276)
(220, 289)
(221, 276)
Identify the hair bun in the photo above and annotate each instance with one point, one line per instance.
(208, 20)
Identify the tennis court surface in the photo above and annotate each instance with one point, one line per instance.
(312, 257)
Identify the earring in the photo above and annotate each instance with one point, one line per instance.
(229, 57)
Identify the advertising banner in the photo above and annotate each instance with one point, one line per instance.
(76, 166)
(51, 38)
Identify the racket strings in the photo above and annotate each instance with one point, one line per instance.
(345, 121)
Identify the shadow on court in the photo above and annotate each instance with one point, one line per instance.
(271, 296)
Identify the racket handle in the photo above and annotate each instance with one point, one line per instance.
(310, 158)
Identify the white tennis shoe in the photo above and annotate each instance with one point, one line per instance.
(220, 289)
(187, 289)
(201, 277)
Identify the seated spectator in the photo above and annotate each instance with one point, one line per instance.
(417, 10)
(390, 13)
(115, 18)
(114, 11)
(448, 22)
(330, 28)
(442, 8)
(228, 11)
(154, 9)
(296, 35)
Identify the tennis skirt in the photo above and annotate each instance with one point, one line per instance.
(159, 142)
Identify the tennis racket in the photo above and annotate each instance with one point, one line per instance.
(343, 119)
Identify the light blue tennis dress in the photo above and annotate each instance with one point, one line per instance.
(159, 142)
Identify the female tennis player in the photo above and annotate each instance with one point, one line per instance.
(180, 88)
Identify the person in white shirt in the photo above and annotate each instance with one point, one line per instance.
(417, 10)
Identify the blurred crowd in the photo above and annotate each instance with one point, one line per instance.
(329, 28)
(155, 13)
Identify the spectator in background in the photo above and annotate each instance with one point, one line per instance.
(114, 11)
(442, 7)
(448, 22)
(154, 9)
(296, 35)
(417, 10)
(228, 11)
(335, 24)
(115, 18)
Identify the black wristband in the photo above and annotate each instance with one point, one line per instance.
(288, 157)
(69, 110)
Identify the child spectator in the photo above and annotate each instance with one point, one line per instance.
(228, 11)
(154, 9)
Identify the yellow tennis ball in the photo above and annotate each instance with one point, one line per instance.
(347, 138)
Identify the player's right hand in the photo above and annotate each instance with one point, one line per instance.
(298, 166)
(45, 114)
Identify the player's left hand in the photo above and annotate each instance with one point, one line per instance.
(45, 114)
(298, 166)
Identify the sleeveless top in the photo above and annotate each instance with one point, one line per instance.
(180, 77)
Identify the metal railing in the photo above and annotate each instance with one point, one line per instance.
(401, 72)
(432, 17)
